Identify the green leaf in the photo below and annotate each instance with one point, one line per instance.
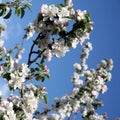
(40, 17)
(1, 116)
(8, 14)
(47, 75)
(3, 11)
(60, 6)
(7, 76)
(40, 78)
(22, 13)
(2, 5)
(37, 69)
(32, 70)
(45, 99)
(39, 65)
(28, 6)
(42, 60)
(65, 2)
(87, 17)
(18, 11)
(11, 88)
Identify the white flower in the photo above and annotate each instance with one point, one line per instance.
(28, 116)
(44, 8)
(1, 69)
(75, 90)
(78, 83)
(84, 66)
(80, 14)
(103, 63)
(16, 81)
(95, 116)
(110, 62)
(56, 100)
(54, 117)
(104, 88)
(30, 102)
(4, 50)
(30, 30)
(84, 113)
(89, 46)
(76, 105)
(95, 93)
(84, 37)
(75, 77)
(0, 93)
(59, 49)
(1, 43)
(109, 76)
(77, 66)
(24, 69)
(70, 3)
(86, 98)
(74, 43)
(63, 20)
(99, 80)
(48, 55)
(25, 2)
(49, 11)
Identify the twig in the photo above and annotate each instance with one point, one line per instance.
(31, 51)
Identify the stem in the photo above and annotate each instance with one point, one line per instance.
(34, 52)
(31, 51)
(45, 112)
(10, 4)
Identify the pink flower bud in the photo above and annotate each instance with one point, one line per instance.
(46, 69)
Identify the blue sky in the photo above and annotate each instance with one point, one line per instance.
(105, 39)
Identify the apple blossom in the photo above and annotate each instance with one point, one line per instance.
(54, 39)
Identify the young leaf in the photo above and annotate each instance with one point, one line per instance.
(46, 99)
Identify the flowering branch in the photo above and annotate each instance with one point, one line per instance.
(54, 39)
(6, 8)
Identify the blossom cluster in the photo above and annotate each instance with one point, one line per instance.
(16, 107)
(53, 24)
(14, 72)
(87, 85)
(23, 105)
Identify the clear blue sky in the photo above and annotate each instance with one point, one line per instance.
(105, 39)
